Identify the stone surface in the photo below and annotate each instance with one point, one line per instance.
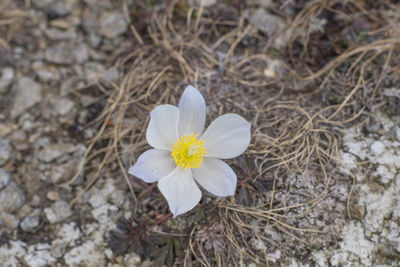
(30, 223)
(266, 22)
(81, 53)
(60, 35)
(11, 254)
(131, 259)
(57, 249)
(46, 73)
(272, 25)
(59, 54)
(375, 237)
(5, 151)
(55, 151)
(64, 105)
(5, 178)
(64, 172)
(112, 24)
(11, 198)
(206, 3)
(67, 44)
(35, 201)
(8, 220)
(28, 93)
(53, 196)
(6, 78)
(66, 53)
(39, 256)
(6, 129)
(85, 254)
(58, 211)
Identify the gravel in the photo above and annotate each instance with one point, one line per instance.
(112, 24)
(6, 79)
(58, 211)
(5, 178)
(30, 223)
(55, 151)
(5, 151)
(28, 94)
(64, 105)
(11, 197)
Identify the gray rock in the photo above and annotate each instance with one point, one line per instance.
(81, 53)
(64, 172)
(118, 197)
(59, 54)
(8, 220)
(69, 84)
(58, 211)
(93, 71)
(266, 22)
(372, 126)
(111, 75)
(57, 249)
(94, 39)
(46, 73)
(64, 105)
(112, 24)
(377, 148)
(55, 151)
(53, 196)
(30, 223)
(19, 140)
(11, 198)
(206, 3)
(5, 178)
(397, 133)
(6, 129)
(65, 54)
(5, 151)
(60, 8)
(131, 259)
(35, 201)
(42, 3)
(59, 35)
(263, 3)
(7, 76)
(28, 93)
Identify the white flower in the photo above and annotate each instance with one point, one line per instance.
(182, 151)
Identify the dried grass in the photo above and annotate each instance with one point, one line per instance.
(12, 20)
(295, 132)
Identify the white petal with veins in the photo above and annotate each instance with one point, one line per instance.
(153, 165)
(192, 112)
(227, 137)
(216, 177)
(180, 190)
(163, 127)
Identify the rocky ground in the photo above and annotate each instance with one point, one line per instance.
(45, 126)
(43, 134)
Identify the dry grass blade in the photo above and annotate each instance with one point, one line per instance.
(12, 20)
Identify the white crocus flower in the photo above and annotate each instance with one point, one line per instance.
(182, 151)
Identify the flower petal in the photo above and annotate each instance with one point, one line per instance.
(153, 165)
(180, 190)
(162, 132)
(227, 137)
(193, 112)
(216, 177)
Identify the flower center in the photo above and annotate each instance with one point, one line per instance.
(188, 151)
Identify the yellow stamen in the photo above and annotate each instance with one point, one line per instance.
(189, 151)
